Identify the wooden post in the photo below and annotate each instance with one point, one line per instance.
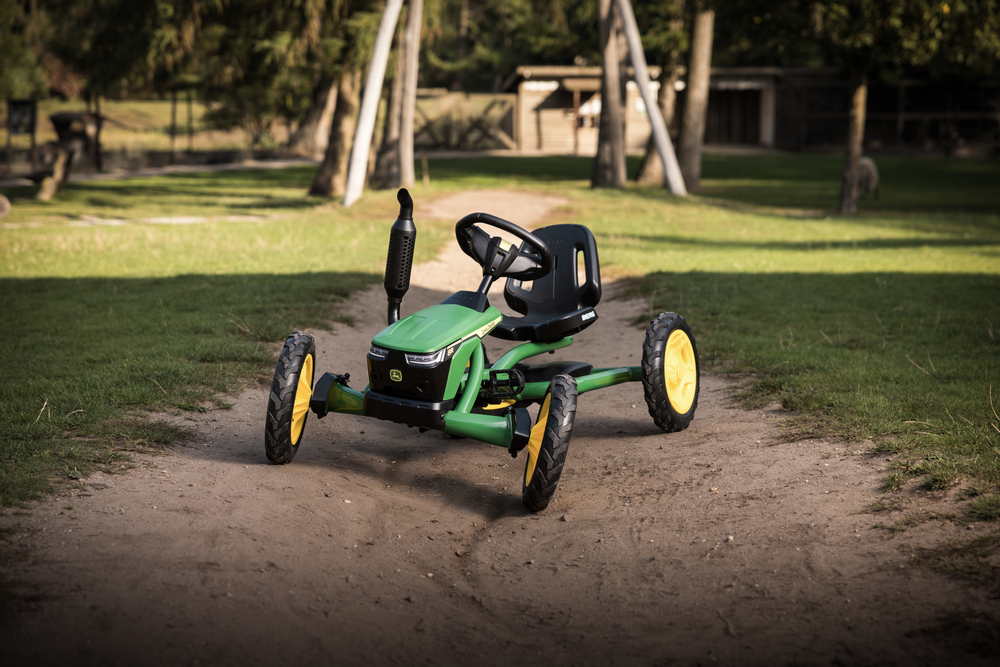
(576, 122)
(190, 125)
(675, 182)
(34, 144)
(173, 123)
(369, 104)
(855, 144)
(98, 160)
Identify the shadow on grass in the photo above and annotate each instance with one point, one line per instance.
(908, 183)
(241, 189)
(909, 360)
(866, 244)
(91, 353)
(548, 168)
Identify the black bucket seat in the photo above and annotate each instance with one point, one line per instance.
(562, 302)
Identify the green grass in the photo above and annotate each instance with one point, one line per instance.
(909, 183)
(104, 323)
(881, 326)
(134, 125)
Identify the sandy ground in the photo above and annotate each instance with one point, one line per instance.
(379, 544)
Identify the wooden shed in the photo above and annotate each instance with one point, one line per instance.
(558, 108)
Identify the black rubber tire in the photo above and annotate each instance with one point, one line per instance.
(281, 440)
(553, 427)
(666, 413)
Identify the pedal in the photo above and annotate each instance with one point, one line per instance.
(497, 389)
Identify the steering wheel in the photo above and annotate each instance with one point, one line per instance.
(499, 258)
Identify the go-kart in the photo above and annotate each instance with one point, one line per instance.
(430, 370)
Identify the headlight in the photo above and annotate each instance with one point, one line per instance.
(378, 353)
(426, 360)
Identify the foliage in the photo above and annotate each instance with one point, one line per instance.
(88, 35)
(265, 58)
(878, 38)
(504, 35)
(761, 33)
(881, 37)
(20, 73)
(658, 23)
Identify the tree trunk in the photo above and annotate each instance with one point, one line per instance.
(696, 102)
(609, 163)
(651, 167)
(305, 141)
(98, 151)
(331, 178)
(855, 144)
(411, 42)
(386, 175)
(60, 173)
(357, 169)
(463, 39)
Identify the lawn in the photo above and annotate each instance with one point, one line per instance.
(882, 327)
(136, 125)
(125, 297)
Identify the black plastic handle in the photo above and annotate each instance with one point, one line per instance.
(402, 239)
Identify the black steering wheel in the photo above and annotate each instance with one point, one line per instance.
(499, 258)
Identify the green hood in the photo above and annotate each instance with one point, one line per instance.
(433, 328)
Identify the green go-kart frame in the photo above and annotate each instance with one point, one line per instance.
(430, 369)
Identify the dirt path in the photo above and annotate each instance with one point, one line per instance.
(382, 545)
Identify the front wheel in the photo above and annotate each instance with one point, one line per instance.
(288, 405)
(548, 443)
(670, 373)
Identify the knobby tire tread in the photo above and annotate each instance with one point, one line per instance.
(653, 348)
(278, 424)
(555, 444)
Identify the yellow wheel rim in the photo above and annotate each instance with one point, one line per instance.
(303, 392)
(680, 371)
(535, 440)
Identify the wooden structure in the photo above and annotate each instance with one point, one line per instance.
(559, 108)
(464, 121)
(22, 118)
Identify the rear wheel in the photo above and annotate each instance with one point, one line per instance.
(670, 373)
(288, 405)
(548, 443)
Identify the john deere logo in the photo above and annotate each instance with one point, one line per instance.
(395, 375)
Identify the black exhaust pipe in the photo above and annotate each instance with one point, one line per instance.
(402, 238)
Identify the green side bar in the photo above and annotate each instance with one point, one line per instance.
(476, 365)
(606, 377)
(598, 379)
(345, 400)
(494, 430)
(525, 350)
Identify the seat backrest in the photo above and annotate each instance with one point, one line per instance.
(574, 282)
